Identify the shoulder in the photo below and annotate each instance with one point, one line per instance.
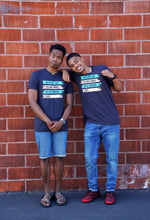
(100, 68)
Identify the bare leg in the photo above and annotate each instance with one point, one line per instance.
(45, 172)
(58, 172)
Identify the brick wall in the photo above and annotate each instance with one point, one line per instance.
(115, 33)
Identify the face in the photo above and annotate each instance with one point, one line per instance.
(76, 64)
(55, 58)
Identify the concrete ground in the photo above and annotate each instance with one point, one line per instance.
(129, 205)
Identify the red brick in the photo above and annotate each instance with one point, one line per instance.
(76, 135)
(34, 61)
(145, 146)
(146, 20)
(56, 21)
(137, 109)
(11, 136)
(8, 7)
(137, 7)
(11, 61)
(33, 161)
(11, 112)
(77, 99)
(70, 147)
(72, 8)
(91, 48)
(38, 8)
(125, 21)
(137, 60)
(124, 47)
(146, 47)
(11, 87)
(80, 171)
(127, 122)
(137, 85)
(77, 111)
(75, 184)
(3, 124)
(109, 60)
(38, 35)
(68, 172)
(106, 34)
(1, 48)
(3, 174)
(29, 112)
(2, 149)
(10, 35)
(20, 124)
(18, 99)
(12, 186)
(145, 121)
(23, 173)
(138, 183)
(122, 98)
(137, 34)
(0, 21)
(80, 147)
(129, 146)
(137, 134)
(120, 109)
(35, 185)
(74, 159)
(22, 48)
(20, 21)
(2, 74)
(2, 100)
(106, 7)
(138, 158)
(30, 136)
(19, 74)
(146, 97)
(22, 148)
(89, 21)
(72, 35)
(127, 73)
(12, 161)
(146, 72)
(79, 123)
(45, 47)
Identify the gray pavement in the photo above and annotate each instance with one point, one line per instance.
(129, 205)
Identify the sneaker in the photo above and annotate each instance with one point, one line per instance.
(110, 198)
(90, 195)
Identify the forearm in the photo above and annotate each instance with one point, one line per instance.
(39, 112)
(117, 85)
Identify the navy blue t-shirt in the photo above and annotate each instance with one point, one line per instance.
(97, 101)
(51, 96)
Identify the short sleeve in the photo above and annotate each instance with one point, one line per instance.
(33, 81)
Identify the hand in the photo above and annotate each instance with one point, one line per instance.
(66, 76)
(50, 124)
(56, 126)
(107, 73)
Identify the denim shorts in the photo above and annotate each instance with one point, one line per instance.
(51, 144)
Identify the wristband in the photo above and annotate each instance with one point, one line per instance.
(63, 120)
(115, 76)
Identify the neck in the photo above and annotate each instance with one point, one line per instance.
(87, 69)
(52, 70)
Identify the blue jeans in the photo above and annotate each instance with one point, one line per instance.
(93, 135)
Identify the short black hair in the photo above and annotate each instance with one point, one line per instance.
(72, 55)
(58, 47)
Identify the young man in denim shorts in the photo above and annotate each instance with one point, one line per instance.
(101, 121)
(51, 100)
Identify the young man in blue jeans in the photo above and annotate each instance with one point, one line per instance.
(101, 121)
(47, 95)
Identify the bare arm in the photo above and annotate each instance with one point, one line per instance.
(32, 95)
(65, 76)
(69, 103)
(117, 84)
